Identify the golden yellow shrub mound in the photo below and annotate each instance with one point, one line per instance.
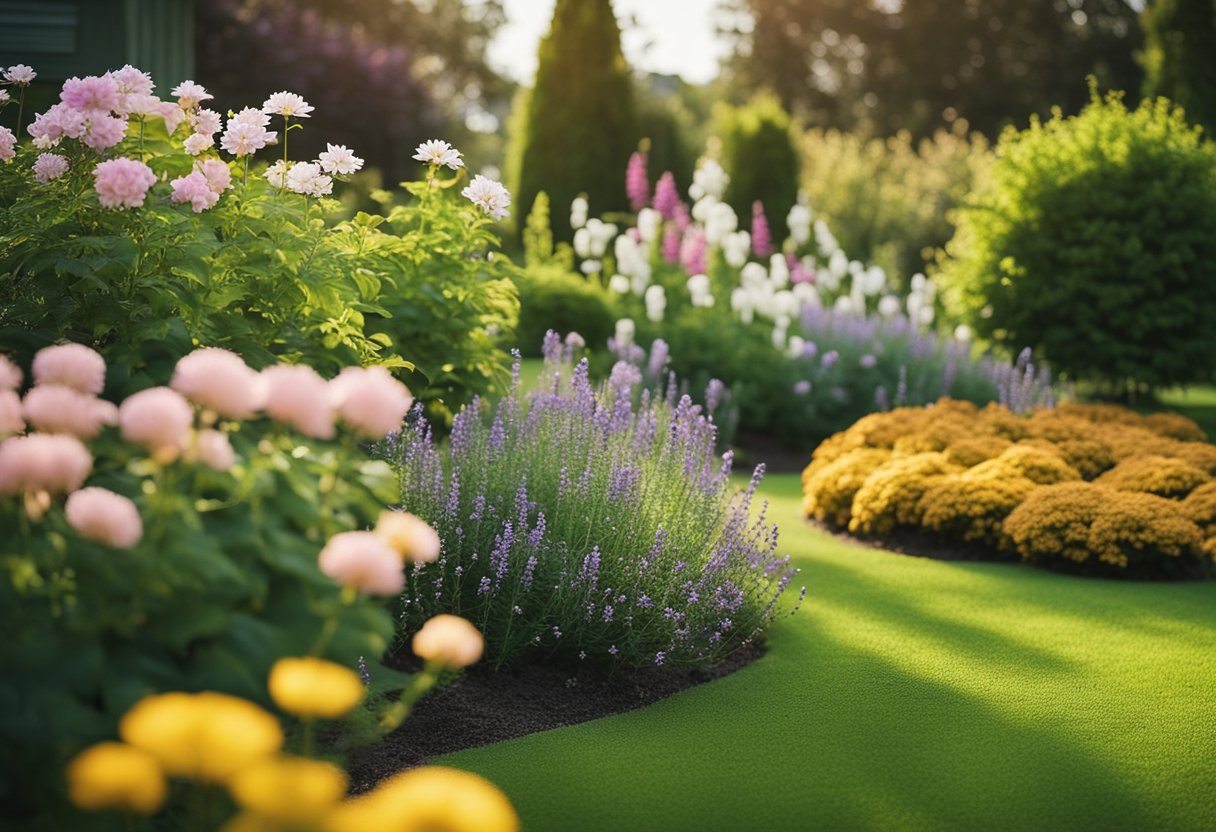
(1094, 487)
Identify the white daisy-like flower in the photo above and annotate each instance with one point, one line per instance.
(190, 95)
(252, 116)
(437, 152)
(306, 178)
(276, 174)
(242, 138)
(197, 143)
(206, 122)
(288, 105)
(3, 96)
(338, 158)
(489, 196)
(20, 74)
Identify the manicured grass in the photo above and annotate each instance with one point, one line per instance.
(910, 694)
(1197, 402)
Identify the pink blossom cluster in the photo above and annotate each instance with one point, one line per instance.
(50, 166)
(202, 187)
(246, 133)
(8, 144)
(122, 183)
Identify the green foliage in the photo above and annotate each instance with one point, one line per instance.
(579, 125)
(550, 297)
(887, 200)
(1094, 242)
(759, 154)
(1180, 41)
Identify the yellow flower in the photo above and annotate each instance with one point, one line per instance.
(448, 640)
(288, 790)
(111, 775)
(428, 799)
(309, 687)
(203, 736)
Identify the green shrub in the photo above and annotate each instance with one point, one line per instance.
(1094, 242)
(1180, 40)
(758, 152)
(551, 297)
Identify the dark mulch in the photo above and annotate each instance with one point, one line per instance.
(778, 458)
(484, 706)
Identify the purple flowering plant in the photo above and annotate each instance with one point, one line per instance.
(590, 521)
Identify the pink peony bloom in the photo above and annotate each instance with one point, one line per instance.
(363, 560)
(250, 115)
(10, 374)
(637, 188)
(93, 93)
(103, 132)
(215, 451)
(55, 463)
(131, 81)
(206, 122)
(218, 380)
(243, 138)
(59, 121)
(106, 517)
(371, 401)
(411, 537)
(50, 166)
(55, 408)
(142, 105)
(299, 398)
(196, 143)
(190, 95)
(219, 176)
(11, 421)
(122, 183)
(193, 188)
(8, 144)
(73, 365)
(157, 418)
(172, 114)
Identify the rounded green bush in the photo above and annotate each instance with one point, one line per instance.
(1093, 241)
(552, 298)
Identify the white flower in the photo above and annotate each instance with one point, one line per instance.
(824, 239)
(888, 305)
(190, 94)
(619, 283)
(276, 174)
(436, 152)
(243, 138)
(578, 213)
(844, 304)
(489, 196)
(736, 247)
(649, 223)
(590, 267)
(720, 221)
(708, 180)
(338, 158)
(779, 334)
(250, 115)
(137, 104)
(962, 332)
(656, 303)
(197, 143)
(799, 222)
(838, 264)
(306, 178)
(796, 345)
(779, 271)
(206, 122)
(753, 274)
(3, 96)
(624, 331)
(599, 234)
(287, 105)
(582, 242)
(20, 74)
(698, 288)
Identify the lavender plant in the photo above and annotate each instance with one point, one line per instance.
(588, 522)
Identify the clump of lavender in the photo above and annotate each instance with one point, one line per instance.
(598, 521)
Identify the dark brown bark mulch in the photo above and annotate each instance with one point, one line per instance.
(484, 706)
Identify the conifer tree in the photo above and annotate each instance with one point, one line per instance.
(1180, 56)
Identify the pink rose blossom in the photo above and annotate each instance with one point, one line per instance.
(55, 408)
(10, 374)
(131, 81)
(172, 114)
(363, 560)
(8, 143)
(123, 183)
(157, 418)
(11, 420)
(106, 517)
(218, 380)
(104, 132)
(91, 93)
(55, 463)
(219, 176)
(371, 401)
(299, 398)
(215, 451)
(50, 166)
(72, 365)
(193, 188)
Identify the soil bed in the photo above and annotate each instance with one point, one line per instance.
(484, 706)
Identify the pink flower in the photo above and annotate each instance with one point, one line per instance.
(636, 186)
(218, 380)
(299, 398)
(91, 93)
(11, 421)
(219, 176)
(671, 245)
(55, 463)
(243, 138)
(131, 81)
(73, 365)
(306, 178)
(8, 143)
(196, 143)
(105, 517)
(215, 451)
(50, 166)
(58, 121)
(190, 95)
(363, 560)
(762, 236)
(206, 122)
(122, 183)
(55, 408)
(103, 132)
(157, 418)
(411, 537)
(142, 105)
(10, 374)
(288, 105)
(371, 401)
(172, 114)
(193, 188)
(666, 196)
(692, 253)
(20, 74)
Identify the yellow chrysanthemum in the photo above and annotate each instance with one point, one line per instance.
(111, 775)
(429, 799)
(288, 790)
(310, 687)
(203, 736)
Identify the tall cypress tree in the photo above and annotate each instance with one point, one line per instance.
(1180, 56)
(580, 125)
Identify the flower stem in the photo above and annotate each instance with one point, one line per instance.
(20, 112)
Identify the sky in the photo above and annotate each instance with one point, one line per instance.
(674, 37)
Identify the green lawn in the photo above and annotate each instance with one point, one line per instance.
(1197, 402)
(910, 694)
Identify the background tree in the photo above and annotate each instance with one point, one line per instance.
(577, 126)
(908, 65)
(1180, 56)
(759, 154)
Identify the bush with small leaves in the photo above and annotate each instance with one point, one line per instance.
(891, 496)
(973, 510)
(830, 490)
(1149, 474)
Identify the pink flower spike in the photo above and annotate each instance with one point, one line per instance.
(219, 380)
(365, 561)
(55, 463)
(105, 517)
(300, 399)
(637, 188)
(371, 401)
(73, 365)
(54, 408)
(157, 418)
